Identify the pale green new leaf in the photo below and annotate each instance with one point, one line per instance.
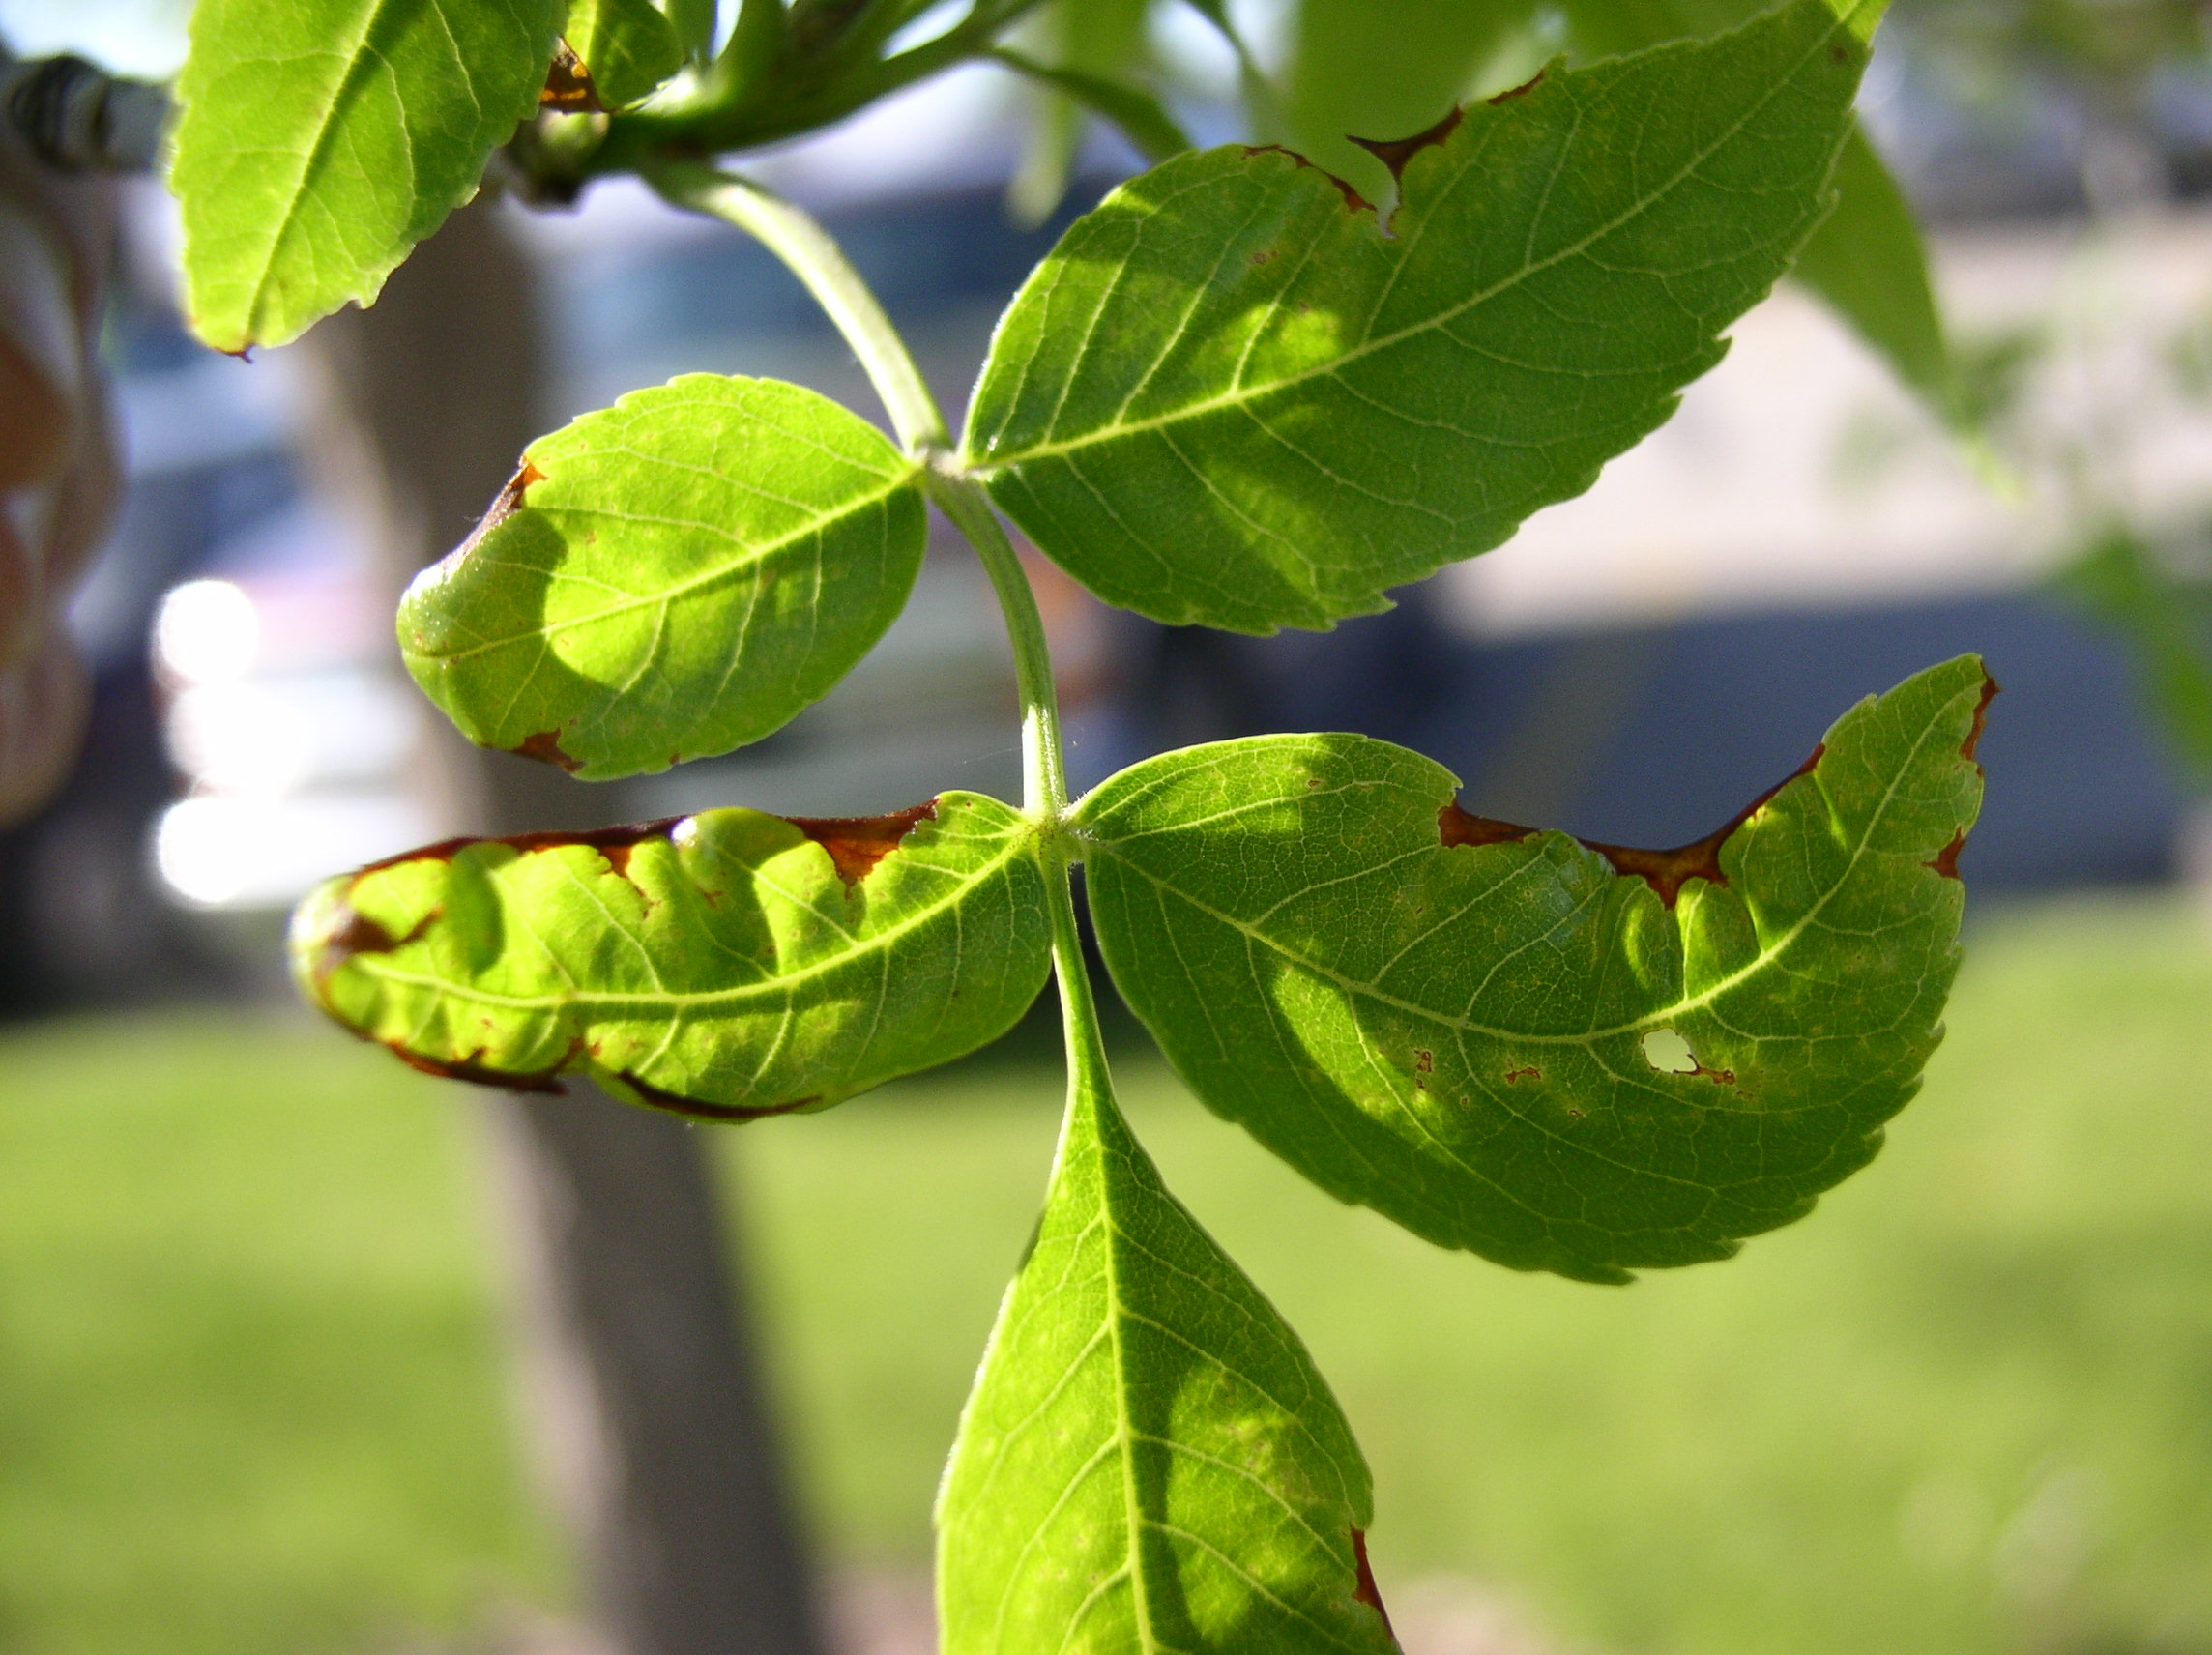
(670, 578)
(1228, 396)
(321, 139)
(1150, 1461)
(726, 964)
(627, 46)
(1563, 1057)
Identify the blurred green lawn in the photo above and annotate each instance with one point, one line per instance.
(251, 1397)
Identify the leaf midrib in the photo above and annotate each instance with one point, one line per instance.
(1241, 396)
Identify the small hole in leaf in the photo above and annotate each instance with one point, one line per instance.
(1669, 1053)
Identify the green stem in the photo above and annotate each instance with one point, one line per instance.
(1044, 771)
(802, 96)
(794, 236)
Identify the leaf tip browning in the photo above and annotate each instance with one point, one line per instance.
(857, 843)
(1946, 860)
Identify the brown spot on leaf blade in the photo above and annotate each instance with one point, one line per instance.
(545, 749)
(1365, 1590)
(1456, 827)
(1946, 860)
(1395, 153)
(1666, 872)
(569, 87)
(358, 933)
(857, 843)
(1530, 1073)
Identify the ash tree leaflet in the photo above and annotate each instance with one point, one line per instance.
(727, 964)
(1232, 395)
(1469, 1026)
(319, 140)
(1149, 1459)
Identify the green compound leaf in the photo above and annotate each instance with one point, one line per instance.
(1150, 1461)
(1575, 1057)
(670, 578)
(321, 139)
(626, 46)
(1226, 396)
(726, 964)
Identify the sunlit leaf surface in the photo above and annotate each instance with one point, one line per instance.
(1150, 1461)
(1230, 397)
(729, 963)
(321, 139)
(1563, 1057)
(670, 578)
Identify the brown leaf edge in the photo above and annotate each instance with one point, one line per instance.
(1365, 1590)
(1668, 871)
(1395, 153)
(855, 844)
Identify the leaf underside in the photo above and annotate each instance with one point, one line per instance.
(670, 578)
(1149, 1459)
(1447, 1019)
(726, 964)
(321, 139)
(1226, 396)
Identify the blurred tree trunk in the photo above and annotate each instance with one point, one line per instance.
(653, 1421)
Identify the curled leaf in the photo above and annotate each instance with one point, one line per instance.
(1566, 1056)
(726, 964)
